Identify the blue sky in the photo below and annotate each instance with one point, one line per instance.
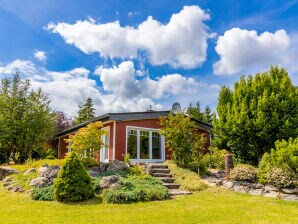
(128, 55)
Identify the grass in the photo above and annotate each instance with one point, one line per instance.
(36, 164)
(213, 205)
(187, 179)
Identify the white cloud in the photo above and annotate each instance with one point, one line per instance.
(23, 66)
(242, 50)
(40, 55)
(180, 43)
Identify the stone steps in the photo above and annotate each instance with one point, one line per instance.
(162, 172)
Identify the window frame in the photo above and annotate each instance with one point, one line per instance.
(150, 130)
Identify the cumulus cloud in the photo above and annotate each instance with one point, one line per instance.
(40, 55)
(241, 49)
(23, 66)
(182, 42)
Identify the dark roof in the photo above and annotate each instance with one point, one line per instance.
(126, 117)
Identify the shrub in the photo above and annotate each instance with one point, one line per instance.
(136, 189)
(136, 170)
(244, 172)
(187, 179)
(73, 182)
(89, 162)
(281, 178)
(50, 157)
(285, 156)
(215, 159)
(43, 194)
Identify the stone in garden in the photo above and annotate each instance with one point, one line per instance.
(15, 189)
(290, 190)
(289, 197)
(103, 167)
(117, 165)
(43, 168)
(270, 188)
(257, 186)
(93, 171)
(110, 182)
(271, 194)
(253, 191)
(240, 189)
(32, 170)
(6, 171)
(50, 173)
(228, 184)
(39, 182)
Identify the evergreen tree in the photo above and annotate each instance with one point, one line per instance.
(195, 111)
(86, 111)
(208, 116)
(259, 111)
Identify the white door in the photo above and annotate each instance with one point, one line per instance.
(104, 151)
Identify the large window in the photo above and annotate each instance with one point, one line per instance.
(144, 144)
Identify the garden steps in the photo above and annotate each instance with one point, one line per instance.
(162, 172)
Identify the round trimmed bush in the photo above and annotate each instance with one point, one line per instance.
(73, 182)
(244, 172)
(281, 178)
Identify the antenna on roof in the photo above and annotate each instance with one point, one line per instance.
(176, 108)
(150, 108)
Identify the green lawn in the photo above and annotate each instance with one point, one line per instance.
(213, 205)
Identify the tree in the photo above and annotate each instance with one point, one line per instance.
(63, 122)
(26, 119)
(259, 111)
(195, 111)
(87, 140)
(73, 182)
(208, 116)
(86, 111)
(183, 139)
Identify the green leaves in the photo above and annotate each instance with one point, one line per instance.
(86, 111)
(260, 110)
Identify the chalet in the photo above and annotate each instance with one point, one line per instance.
(133, 133)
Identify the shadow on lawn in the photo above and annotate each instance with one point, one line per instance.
(93, 201)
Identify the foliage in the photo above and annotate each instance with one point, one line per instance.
(24, 180)
(126, 158)
(23, 111)
(87, 139)
(281, 178)
(43, 194)
(137, 170)
(50, 157)
(136, 189)
(183, 139)
(73, 182)
(187, 179)
(37, 163)
(112, 172)
(86, 111)
(260, 110)
(62, 121)
(280, 166)
(195, 112)
(89, 162)
(244, 172)
(214, 159)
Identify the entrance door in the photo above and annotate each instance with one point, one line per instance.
(104, 151)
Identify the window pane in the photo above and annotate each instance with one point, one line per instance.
(132, 144)
(156, 146)
(144, 145)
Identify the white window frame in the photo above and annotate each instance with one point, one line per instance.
(102, 149)
(162, 143)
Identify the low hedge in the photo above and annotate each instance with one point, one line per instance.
(43, 194)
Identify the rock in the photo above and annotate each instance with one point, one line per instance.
(228, 184)
(257, 186)
(290, 190)
(253, 191)
(6, 171)
(289, 197)
(269, 188)
(240, 189)
(219, 182)
(117, 165)
(93, 171)
(103, 167)
(39, 182)
(110, 182)
(43, 168)
(32, 170)
(6, 184)
(271, 194)
(7, 179)
(50, 172)
(15, 189)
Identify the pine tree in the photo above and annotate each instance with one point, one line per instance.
(195, 111)
(86, 111)
(207, 115)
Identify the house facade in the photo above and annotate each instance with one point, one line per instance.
(133, 133)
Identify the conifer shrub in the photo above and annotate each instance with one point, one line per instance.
(73, 182)
(89, 162)
(43, 194)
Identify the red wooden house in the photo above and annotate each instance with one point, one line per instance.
(133, 133)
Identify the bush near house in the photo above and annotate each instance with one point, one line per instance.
(73, 182)
(244, 172)
(43, 194)
(280, 166)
